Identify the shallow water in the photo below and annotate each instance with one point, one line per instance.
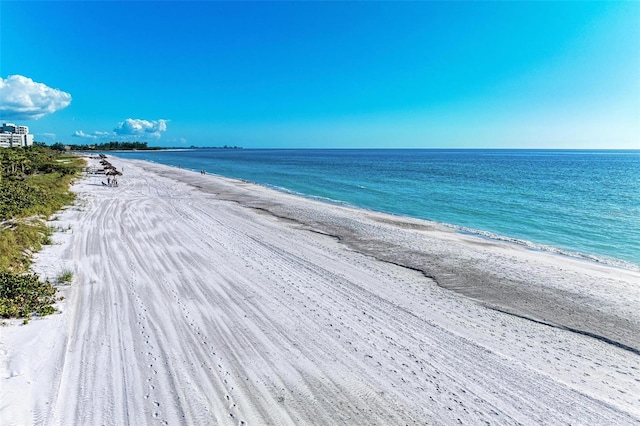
(581, 202)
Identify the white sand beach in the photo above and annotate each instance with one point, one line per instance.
(201, 300)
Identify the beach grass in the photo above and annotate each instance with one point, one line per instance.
(65, 277)
(34, 184)
(19, 239)
(309, 318)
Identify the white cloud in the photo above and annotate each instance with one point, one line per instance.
(136, 126)
(22, 98)
(133, 127)
(94, 135)
(51, 136)
(178, 140)
(81, 134)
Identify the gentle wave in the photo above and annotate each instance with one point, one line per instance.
(566, 202)
(472, 232)
(545, 248)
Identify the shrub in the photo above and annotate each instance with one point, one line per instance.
(22, 295)
(16, 197)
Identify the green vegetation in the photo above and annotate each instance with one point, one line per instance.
(34, 184)
(65, 277)
(19, 238)
(24, 294)
(126, 146)
(107, 146)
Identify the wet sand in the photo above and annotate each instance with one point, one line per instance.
(204, 300)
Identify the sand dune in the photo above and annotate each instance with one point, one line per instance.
(202, 300)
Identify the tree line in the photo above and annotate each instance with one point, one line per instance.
(106, 146)
(20, 162)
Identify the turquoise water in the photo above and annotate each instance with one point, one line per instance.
(583, 203)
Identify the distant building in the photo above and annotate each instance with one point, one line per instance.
(12, 135)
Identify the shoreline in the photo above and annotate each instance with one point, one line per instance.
(598, 258)
(505, 293)
(479, 233)
(201, 299)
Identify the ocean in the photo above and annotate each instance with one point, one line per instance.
(579, 203)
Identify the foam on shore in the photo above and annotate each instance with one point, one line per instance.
(507, 276)
(205, 300)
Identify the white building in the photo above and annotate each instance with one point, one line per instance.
(12, 135)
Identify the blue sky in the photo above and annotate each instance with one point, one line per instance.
(324, 74)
